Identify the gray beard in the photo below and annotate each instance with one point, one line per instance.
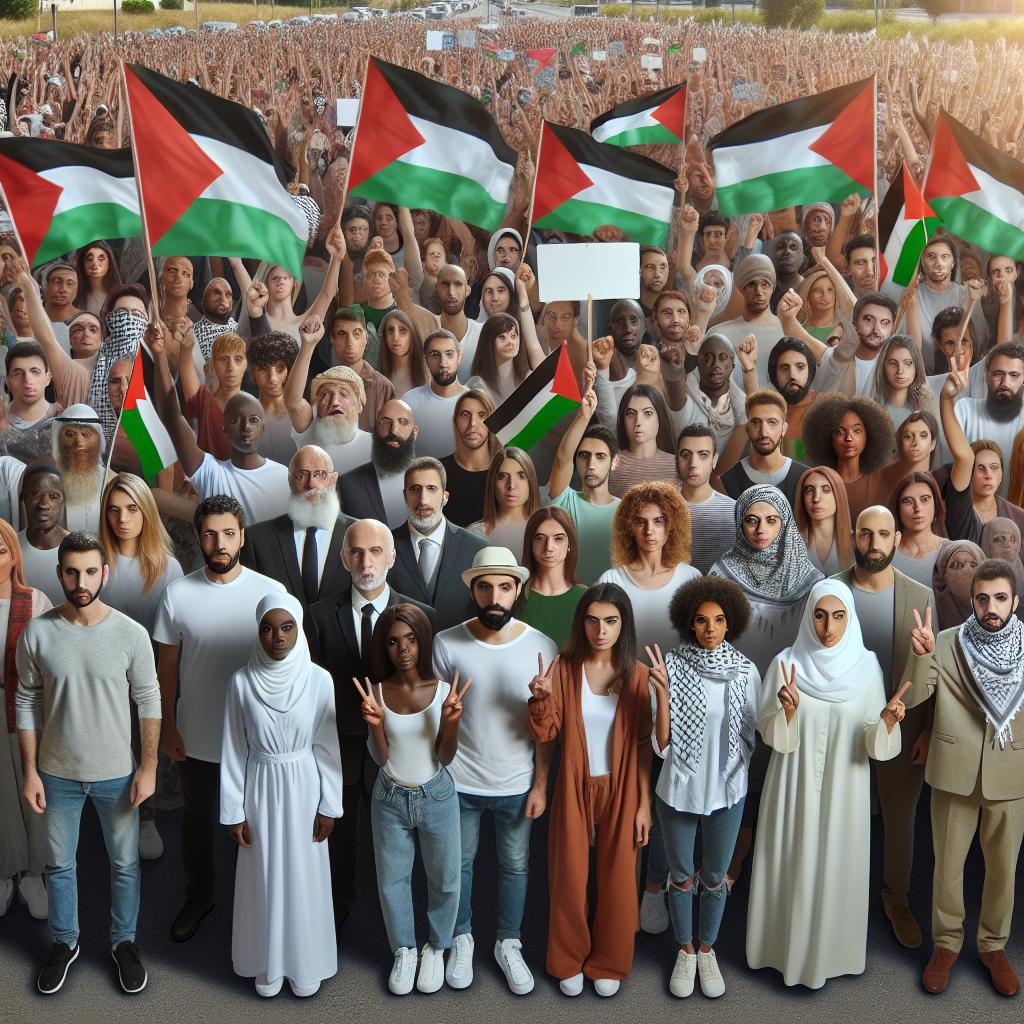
(333, 431)
(320, 511)
(426, 525)
(82, 487)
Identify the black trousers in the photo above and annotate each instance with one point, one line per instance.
(200, 788)
(359, 773)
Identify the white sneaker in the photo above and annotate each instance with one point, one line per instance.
(571, 986)
(403, 974)
(683, 974)
(6, 894)
(431, 976)
(606, 986)
(151, 846)
(33, 892)
(711, 982)
(508, 953)
(459, 970)
(268, 989)
(654, 912)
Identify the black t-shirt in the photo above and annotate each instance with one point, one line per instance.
(465, 493)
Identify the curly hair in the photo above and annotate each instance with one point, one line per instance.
(822, 419)
(677, 516)
(727, 595)
(271, 347)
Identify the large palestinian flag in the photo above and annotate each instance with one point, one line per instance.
(656, 117)
(582, 184)
(816, 149)
(538, 403)
(430, 146)
(61, 196)
(905, 223)
(977, 190)
(140, 422)
(210, 183)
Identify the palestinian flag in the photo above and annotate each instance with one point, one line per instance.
(905, 223)
(976, 190)
(656, 117)
(816, 149)
(538, 403)
(210, 183)
(61, 196)
(140, 422)
(542, 56)
(582, 184)
(430, 146)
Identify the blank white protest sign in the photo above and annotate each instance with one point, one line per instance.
(600, 270)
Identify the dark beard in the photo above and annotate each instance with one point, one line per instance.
(792, 397)
(863, 563)
(1003, 410)
(219, 570)
(216, 318)
(442, 379)
(388, 460)
(494, 617)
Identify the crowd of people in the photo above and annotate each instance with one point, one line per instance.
(775, 549)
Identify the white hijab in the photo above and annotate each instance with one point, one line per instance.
(835, 674)
(723, 294)
(280, 684)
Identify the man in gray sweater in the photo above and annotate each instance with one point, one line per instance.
(78, 665)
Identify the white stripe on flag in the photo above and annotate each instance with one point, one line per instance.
(526, 414)
(640, 197)
(157, 431)
(629, 122)
(998, 198)
(734, 164)
(84, 186)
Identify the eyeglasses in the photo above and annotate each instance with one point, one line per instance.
(303, 475)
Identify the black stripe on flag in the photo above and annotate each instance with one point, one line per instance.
(46, 155)
(890, 210)
(646, 102)
(613, 159)
(539, 380)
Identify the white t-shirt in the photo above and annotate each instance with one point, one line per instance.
(11, 471)
(41, 569)
(433, 415)
(214, 624)
(830, 373)
(495, 756)
(344, 456)
(650, 607)
(262, 492)
(468, 343)
(123, 590)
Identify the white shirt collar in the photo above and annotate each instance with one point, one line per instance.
(437, 536)
(380, 602)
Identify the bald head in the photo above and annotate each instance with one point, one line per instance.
(311, 469)
(396, 418)
(876, 539)
(368, 552)
(244, 421)
(451, 289)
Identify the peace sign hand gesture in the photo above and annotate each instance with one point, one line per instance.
(373, 713)
(922, 639)
(451, 710)
(789, 695)
(895, 710)
(540, 685)
(658, 674)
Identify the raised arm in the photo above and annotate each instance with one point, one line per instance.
(845, 299)
(956, 441)
(300, 412)
(413, 263)
(527, 328)
(562, 467)
(789, 306)
(59, 361)
(688, 221)
(190, 455)
(335, 244)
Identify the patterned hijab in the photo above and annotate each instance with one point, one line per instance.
(783, 570)
(996, 661)
(953, 610)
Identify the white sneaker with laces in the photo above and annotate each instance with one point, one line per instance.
(654, 912)
(683, 974)
(151, 846)
(711, 982)
(508, 953)
(431, 976)
(403, 974)
(6, 894)
(606, 986)
(571, 986)
(33, 892)
(459, 970)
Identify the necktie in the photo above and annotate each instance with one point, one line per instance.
(310, 581)
(426, 560)
(366, 637)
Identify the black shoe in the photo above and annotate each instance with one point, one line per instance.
(55, 970)
(186, 924)
(130, 971)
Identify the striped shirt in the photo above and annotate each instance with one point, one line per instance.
(714, 532)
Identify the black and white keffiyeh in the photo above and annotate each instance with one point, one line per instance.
(207, 332)
(689, 668)
(996, 661)
(122, 334)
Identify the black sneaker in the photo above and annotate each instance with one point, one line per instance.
(130, 971)
(55, 970)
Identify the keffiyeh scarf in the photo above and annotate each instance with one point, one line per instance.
(123, 332)
(207, 332)
(996, 661)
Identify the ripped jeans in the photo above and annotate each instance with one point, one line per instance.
(718, 838)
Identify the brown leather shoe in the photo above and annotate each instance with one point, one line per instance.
(1004, 978)
(936, 974)
(904, 927)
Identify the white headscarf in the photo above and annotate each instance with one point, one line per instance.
(836, 674)
(723, 294)
(280, 684)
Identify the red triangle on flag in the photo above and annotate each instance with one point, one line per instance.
(542, 56)
(949, 174)
(384, 137)
(672, 113)
(564, 382)
(915, 206)
(847, 142)
(173, 169)
(559, 177)
(31, 202)
(136, 384)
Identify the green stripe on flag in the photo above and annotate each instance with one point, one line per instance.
(542, 421)
(970, 222)
(578, 48)
(647, 136)
(84, 224)
(910, 255)
(582, 218)
(136, 432)
(822, 184)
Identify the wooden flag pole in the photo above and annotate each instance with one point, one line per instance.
(533, 190)
(874, 177)
(590, 327)
(352, 148)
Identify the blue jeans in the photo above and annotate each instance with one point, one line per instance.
(120, 824)
(718, 832)
(657, 862)
(512, 838)
(398, 814)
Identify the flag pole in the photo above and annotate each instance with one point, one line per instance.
(533, 190)
(352, 148)
(14, 225)
(874, 177)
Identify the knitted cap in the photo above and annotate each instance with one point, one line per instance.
(344, 374)
(752, 268)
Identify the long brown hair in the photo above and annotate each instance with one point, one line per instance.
(111, 279)
(843, 530)
(10, 540)
(491, 510)
(551, 513)
(625, 650)
(417, 364)
(938, 526)
(677, 518)
(485, 361)
(420, 626)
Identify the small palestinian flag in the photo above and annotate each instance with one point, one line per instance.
(542, 56)
(816, 149)
(578, 48)
(977, 190)
(209, 180)
(582, 184)
(905, 223)
(550, 392)
(140, 422)
(430, 146)
(656, 117)
(61, 196)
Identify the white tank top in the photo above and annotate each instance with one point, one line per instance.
(598, 718)
(412, 740)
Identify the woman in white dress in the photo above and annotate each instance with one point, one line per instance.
(280, 791)
(807, 916)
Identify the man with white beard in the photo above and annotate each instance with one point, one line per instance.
(78, 448)
(302, 548)
(330, 418)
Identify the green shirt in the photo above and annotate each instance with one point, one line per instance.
(552, 615)
(593, 531)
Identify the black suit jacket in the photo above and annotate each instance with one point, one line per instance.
(450, 597)
(360, 494)
(270, 549)
(333, 644)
